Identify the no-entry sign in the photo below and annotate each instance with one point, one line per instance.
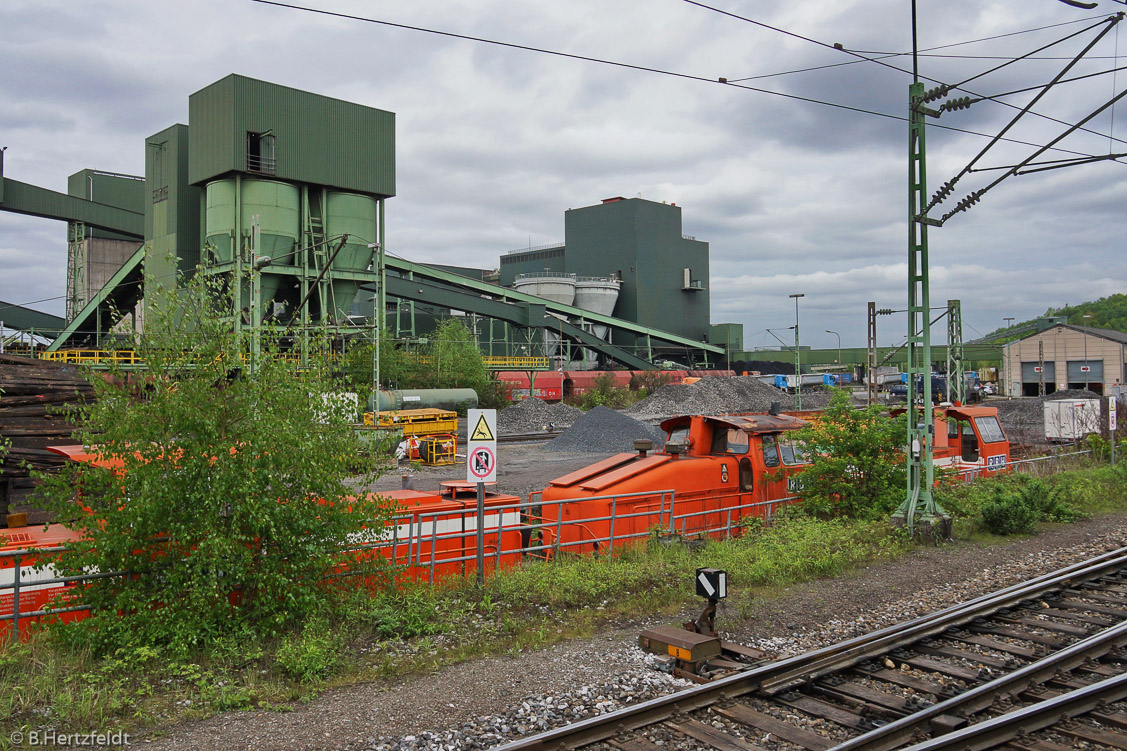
(481, 445)
(481, 464)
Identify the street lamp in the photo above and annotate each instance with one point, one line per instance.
(838, 344)
(797, 356)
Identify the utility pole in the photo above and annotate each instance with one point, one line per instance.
(919, 507)
(797, 356)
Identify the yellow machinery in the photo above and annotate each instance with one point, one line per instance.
(411, 422)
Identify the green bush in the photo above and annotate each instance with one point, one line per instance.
(1014, 504)
(1009, 515)
(232, 500)
(310, 655)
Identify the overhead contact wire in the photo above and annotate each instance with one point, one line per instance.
(647, 69)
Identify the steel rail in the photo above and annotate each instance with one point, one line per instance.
(998, 730)
(783, 674)
(900, 731)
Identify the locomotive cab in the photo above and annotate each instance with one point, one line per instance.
(713, 472)
(970, 440)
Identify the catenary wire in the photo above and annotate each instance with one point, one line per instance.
(880, 61)
(647, 69)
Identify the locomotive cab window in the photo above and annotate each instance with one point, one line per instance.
(791, 454)
(989, 429)
(678, 435)
(730, 441)
(970, 443)
(770, 451)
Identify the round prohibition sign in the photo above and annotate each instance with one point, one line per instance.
(482, 461)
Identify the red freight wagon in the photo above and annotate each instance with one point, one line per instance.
(434, 535)
(19, 555)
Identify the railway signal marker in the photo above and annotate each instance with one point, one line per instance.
(712, 583)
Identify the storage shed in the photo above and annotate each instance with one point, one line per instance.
(1065, 357)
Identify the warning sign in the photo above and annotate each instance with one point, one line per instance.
(481, 430)
(481, 445)
(481, 464)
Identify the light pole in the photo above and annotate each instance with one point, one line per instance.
(838, 345)
(1087, 368)
(797, 356)
(377, 324)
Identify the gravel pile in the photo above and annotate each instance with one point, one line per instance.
(714, 396)
(533, 414)
(605, 431)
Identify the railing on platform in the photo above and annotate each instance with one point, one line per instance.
(92, 356)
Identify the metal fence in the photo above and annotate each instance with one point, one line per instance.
(434, 545)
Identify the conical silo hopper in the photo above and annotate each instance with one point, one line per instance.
(355, 215)
(550, 285)
(278, 208)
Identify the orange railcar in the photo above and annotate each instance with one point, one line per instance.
(713, 472)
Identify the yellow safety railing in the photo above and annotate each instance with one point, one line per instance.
(92, 356)
(516, 363)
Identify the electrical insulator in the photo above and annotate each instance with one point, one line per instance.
(937, 93)
(958, 103)
(944, 191)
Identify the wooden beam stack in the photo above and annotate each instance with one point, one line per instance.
(36, 398)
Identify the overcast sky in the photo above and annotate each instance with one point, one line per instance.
(494, 144)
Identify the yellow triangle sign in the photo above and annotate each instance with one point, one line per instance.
(481, 431)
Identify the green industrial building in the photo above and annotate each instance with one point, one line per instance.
(282, 192)
(663, 274)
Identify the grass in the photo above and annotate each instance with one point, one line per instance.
(418, 629)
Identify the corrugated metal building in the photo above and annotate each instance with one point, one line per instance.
(664, 273)
(1065, 357)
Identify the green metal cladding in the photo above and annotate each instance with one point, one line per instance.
(315, 139)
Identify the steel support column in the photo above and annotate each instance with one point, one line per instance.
(956, 375)
(919, 507)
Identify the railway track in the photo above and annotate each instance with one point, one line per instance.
(542, 435)
(1039, 666)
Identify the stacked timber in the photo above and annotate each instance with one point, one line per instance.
(37, 399)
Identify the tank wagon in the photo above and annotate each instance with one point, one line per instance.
(714, 472)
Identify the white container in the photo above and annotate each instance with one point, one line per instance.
(1071, 419)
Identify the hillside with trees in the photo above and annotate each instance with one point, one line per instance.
(1106, 313)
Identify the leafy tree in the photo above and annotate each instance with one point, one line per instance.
(605, 392)
(229, 504)
(356, 371)
(649, 381)
(452, 360)
(857, 461)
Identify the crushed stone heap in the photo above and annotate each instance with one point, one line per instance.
(532, 415)
(604, 431)
(718, 395)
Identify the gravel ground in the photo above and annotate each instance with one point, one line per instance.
(481, 703)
